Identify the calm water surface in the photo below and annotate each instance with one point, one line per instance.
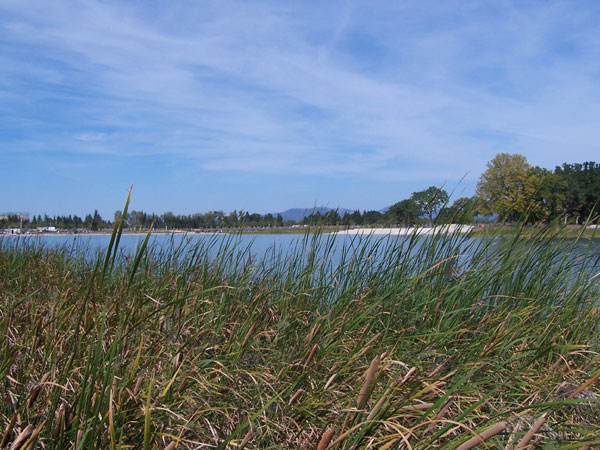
(266, 247)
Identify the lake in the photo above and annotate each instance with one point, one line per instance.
(272, 248)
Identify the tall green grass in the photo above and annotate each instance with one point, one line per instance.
(419, 342)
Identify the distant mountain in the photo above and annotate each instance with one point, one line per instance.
(298, 214)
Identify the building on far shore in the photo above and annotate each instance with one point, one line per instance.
(20, 215)
(46, 229)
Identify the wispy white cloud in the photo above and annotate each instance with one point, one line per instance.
(373, 89)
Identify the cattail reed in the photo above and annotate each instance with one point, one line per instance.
(78, 440)
(313, 331)
(248, 335)
(60, 420)
(310, 356)
(138, 386)
(532, 431)
(325, 439)
(22, 438)
(36, 390)
(30, 443)
(483, 436)
(296, 396)
(367, 387)
(330, 381)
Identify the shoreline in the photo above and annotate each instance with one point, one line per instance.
(452, 228)
(570, 231)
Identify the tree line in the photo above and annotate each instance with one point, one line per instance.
(92, 222)
(510, 189)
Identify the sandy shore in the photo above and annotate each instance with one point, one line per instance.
(453, 228)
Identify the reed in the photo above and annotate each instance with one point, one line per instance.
(428, 341)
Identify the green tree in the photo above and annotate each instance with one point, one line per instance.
(548, 197)
(268, 220)
(371, 217)
(405, 212)
(312, 219)
(582, 192)
(96, 221)
(232, 219)
(353, 218)
(430, 201)
(332, 218)
(506, 187)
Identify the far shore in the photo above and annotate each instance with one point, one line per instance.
(570, 231)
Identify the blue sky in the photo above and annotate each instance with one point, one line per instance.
(263, 106)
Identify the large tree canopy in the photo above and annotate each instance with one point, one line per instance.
(405, 212)
(425, 203)
(548, 196)
(506, 187)
(430, 201)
